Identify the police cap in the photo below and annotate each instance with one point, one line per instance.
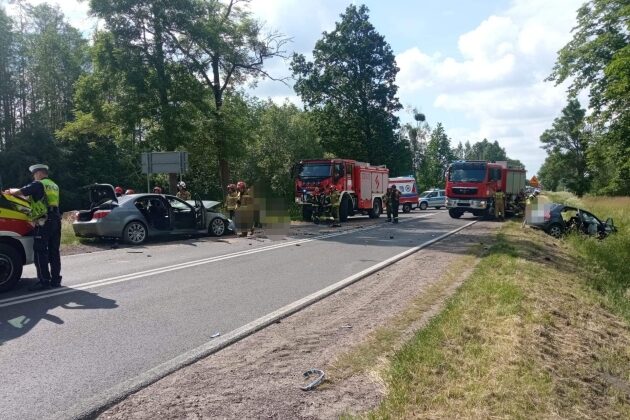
(37, 167)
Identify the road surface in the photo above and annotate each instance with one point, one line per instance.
(126, 311)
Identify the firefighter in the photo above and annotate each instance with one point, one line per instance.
(394, 200)
(244, 215)
(386, 202)
(499, 205)
(118, 191)
(43, 195)
(335, 202)
(231, 200)
(157, 190)
(129, 191)
(182, 192)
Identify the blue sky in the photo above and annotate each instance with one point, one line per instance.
(478, 67)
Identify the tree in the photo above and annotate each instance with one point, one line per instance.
(569, 141)
(437, 158)
(350, 88)
(485, 150)
(597, 59)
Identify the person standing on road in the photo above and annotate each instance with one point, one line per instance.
(43, 195)
(499, 205)
(387, 203)
(394, 199)
(231, 200)
(335, 203)
(182, 192)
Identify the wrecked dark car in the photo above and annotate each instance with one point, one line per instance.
(559, 219)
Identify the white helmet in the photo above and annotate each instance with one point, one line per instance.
(181, 184)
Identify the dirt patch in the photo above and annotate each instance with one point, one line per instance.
(260, 376)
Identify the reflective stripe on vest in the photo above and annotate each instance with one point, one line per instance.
(39, 208)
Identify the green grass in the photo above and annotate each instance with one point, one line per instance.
(523, 337)
(67, 234)
(605, 262)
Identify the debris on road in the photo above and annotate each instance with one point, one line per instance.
(215, 335)
(311, 386)
(346, 326)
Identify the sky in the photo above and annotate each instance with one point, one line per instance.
(478, 67)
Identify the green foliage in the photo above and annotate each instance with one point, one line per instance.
(436, 159)
(597, 59)
(350, 87)
(568, 141)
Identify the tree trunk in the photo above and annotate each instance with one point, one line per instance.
(224, 165)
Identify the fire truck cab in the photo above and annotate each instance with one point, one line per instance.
(361, 185)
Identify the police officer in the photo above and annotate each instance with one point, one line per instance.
(499, 205)
(394, 200)
(43, 195)
(182, 192)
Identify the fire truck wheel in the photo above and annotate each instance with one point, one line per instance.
(307, 213)
(377, 209)
(343, 208)
(455, 213)
(10, 267)
(406, 208)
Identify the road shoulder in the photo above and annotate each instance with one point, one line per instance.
(345, 335)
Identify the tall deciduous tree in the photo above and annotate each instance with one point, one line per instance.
(597, 59)
(568, 141)
(436, 160)
(350, 87)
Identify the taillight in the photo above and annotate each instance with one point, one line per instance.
(99, 214)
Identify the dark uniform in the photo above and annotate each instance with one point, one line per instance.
(394, 200)
(44, 198)
(387, 203)
(335, 202)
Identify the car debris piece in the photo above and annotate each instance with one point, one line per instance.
(314, 384)
(346, 326)
(215, 335)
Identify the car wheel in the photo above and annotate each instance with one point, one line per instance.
(406, 208)
(135, 233)
(437, 207)
(10, 267)
(423, 205)
(555, 230)
(217, 227)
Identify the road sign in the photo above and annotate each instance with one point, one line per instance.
(164, 162)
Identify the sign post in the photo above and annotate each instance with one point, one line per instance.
(163, 163)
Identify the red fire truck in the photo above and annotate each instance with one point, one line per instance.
(471, 184)
(362, 186)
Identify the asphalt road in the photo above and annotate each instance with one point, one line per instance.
(126, 311)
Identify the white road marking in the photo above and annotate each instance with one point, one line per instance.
(141, 274)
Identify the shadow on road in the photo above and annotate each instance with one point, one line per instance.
(17, 320)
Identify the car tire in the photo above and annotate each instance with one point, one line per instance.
(377, 209)
(217, 227)
(406, 208)
(438, 207)
(423, 205)
(455, 213)
(135, 233)
(10, 267)
(555, 229)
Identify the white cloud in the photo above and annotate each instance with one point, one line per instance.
(497, 81)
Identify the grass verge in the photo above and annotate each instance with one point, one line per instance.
(523, 337)
(605, 262)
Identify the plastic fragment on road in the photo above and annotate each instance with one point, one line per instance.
(215, 335)
(346, 326)
(314, 384)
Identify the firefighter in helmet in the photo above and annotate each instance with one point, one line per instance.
(387, 204)
(244, 215)
(335, 202)
(231, 200)
(118, 191)
(499, 205)
(157, 190)
(182, 192)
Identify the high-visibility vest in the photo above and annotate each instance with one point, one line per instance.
(40, 207)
